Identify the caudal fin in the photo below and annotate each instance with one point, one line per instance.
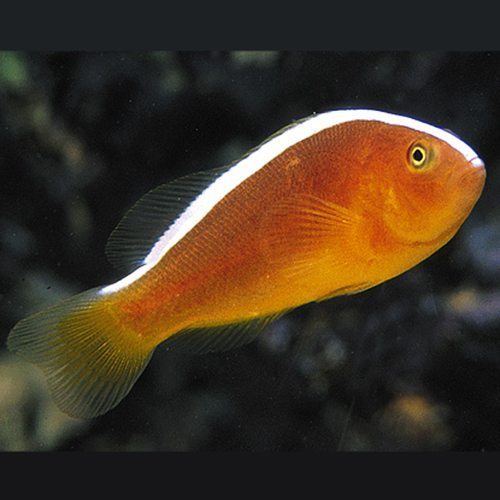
(90, 362)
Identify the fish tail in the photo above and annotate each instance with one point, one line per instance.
(91, 360)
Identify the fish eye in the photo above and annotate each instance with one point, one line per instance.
(418, 155)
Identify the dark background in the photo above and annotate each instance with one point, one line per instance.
(413, 364)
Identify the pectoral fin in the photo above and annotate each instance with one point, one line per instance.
(303, 233)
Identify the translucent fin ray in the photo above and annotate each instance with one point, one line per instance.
(322, 230)
(144, 224)
(89, 364)
(220, 338)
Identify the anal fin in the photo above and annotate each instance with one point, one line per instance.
(347, 290)
(220, 338)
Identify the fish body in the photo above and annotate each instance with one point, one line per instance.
(332, 205)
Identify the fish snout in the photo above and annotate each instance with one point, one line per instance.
(472, 178)
(478, 170)
(477, 163)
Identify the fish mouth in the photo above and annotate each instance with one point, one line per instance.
(475, 176)
(472, 181)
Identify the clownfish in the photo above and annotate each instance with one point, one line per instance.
(333, 204)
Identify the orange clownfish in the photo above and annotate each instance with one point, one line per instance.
(333, 204)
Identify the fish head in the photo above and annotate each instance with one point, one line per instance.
(433, 180)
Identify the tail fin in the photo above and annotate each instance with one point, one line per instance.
(90, 361)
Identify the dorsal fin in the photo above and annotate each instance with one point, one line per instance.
(142, 226)
(220, 338)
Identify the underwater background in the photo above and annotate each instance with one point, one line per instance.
(413, 364)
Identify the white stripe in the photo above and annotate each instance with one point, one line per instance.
(242, 170)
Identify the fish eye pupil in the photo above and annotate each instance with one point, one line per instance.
(418, 156)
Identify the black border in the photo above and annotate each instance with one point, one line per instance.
(310, 475)
(239, 25)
